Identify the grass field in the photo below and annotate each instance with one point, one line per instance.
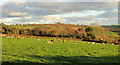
(28, 26)
(31, 26)
(34, 51)
(111, 34)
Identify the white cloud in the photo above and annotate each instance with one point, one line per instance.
(65, 12)
(49, 8)
(17, 14)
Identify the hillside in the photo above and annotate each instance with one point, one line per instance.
(113, 28)
(62, 30)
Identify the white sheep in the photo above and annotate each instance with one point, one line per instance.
(103, 43)
(93, 42)
(49, 41)
(38, 39)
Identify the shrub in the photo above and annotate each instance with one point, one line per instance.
(91, 35)
(89, 29)
(80, 29)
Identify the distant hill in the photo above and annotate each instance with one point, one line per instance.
(113, 28)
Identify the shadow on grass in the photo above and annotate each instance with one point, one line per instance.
(65, 60)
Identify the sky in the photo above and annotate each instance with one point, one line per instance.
(104, 13)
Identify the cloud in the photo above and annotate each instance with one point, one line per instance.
(17, 14)
(53, 18)
(108, 14)
(108, 17)
(108, 21)
(67, 20)
(53, 8)
(65, 12)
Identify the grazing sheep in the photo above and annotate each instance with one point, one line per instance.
(38, 39)
(22, 37)
(103, 43)
(88, 42)
(53, 40)
(11, 37)
(7, 37)
(117, 44)
(112, 43)
(49, 41)
(3, 35)
(106, 43)
(59, 40)
(93, 42)
(63, 40)
(77, 41)
(100, 39)
(18, 37)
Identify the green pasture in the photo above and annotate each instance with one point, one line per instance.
(111, 34)
(34, 51)
(24, 26)
(31, 26)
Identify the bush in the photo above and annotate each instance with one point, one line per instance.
(91, 35)
(89, 29)
(80, 29)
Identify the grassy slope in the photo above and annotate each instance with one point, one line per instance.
(31, 26)
(111, 34)
(32, 50)
(114, 26)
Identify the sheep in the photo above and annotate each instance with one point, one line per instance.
(22, 37)
(49, 41)
(77, 41)
(117, 44)
(3, 35)
(112, 43)
(93, 42)
(103, 43)
(53, 40)
(38, 39)
(18, 37)
(11, 37)
(7, 37)
(88, 42)
(106, 43)
(59, 40)
(63, 40)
